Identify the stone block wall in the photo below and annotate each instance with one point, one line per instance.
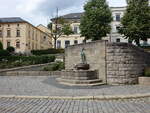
(95, 56)
(117, 63)
(125, 63)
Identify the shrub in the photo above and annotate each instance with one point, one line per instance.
(1, 46)
(4, 54)
(10, 49)
(57, 66)
(15, 61)
(32, 59)
(48, 51)
(147, 72)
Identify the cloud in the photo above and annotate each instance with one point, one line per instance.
(40, 11)
(48, 7)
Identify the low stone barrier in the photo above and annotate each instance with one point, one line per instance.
(31, 73)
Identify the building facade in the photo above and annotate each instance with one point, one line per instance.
(114, 36)
(22, 35)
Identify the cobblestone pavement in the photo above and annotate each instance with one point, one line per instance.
(47, 86)
(18, 105)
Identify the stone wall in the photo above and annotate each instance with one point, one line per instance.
(117, 63)
(125, 63)
(95, 56)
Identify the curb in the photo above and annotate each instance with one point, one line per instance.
(101, 97)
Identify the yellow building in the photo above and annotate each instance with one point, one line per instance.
(22, 35)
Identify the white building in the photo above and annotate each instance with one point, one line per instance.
(74, 18)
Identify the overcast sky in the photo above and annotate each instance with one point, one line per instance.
(40, 11)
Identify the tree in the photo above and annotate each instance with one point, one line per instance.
(61, 26)
(135, 25)
(1, 46)
(95, 23)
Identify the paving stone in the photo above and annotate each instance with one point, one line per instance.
(13, 105)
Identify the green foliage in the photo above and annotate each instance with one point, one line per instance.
(15, 61)
(95, 23)
(57, 66)
(1, 46)
(136, 21)
(146, 48)
(10, 49)
(4, 53)
(61, 26)
(147, 72)
(48, 51)
(49, 26)
(66, 29)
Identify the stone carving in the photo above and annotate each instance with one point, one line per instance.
(83, 57)
(83, 65)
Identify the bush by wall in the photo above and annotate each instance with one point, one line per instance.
(147, 72)
(146, 48)
(57, 66)
(15, 61)
(48, 51)
(4, 53)
(32, 59)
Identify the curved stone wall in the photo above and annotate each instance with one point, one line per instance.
(117, 63)
(125, 63)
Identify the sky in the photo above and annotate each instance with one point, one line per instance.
(41, 11)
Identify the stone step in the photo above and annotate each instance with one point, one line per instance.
(79, 81)
(93, 84)
(79, 78)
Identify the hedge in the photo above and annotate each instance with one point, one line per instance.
(31, 59)
(48, 51)
(4, 53)
(147, 72)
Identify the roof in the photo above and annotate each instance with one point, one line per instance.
(72, 16)
(78, 15)
(11, 20)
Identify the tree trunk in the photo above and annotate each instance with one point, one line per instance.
(55, 43)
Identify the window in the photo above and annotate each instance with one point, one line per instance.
(18, 33)
(1, 33)
(8, 33)
(58, 44)
(75, 42)
(75, 29)
(67, 43)
(18, 44)
(18, 25)
(8, 25)
(118, 40)
(0, 25)
(33, 35)
(118, 17)
(8, 44)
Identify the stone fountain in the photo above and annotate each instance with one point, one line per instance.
(81, 75)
